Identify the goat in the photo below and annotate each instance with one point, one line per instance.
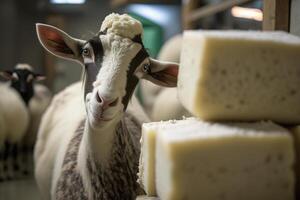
(96, 157)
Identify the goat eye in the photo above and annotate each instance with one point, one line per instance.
(85, 52)
(146, 68)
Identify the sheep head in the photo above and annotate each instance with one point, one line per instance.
(114, 60)
(22, 78)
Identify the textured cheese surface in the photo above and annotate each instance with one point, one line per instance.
(146, 198)
(240, 75)
(200, 160)
(147, 157)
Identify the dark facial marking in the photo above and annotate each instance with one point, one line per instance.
(24, 88)
(132, 80)
(92, 69)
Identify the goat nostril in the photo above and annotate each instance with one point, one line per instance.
(114, 103)
(98, 98)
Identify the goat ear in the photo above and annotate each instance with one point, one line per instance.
(7, 74)
(58, 42)
(39, 77)
(162, 73)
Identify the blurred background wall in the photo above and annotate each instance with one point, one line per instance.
(162, 19)
(19, 43)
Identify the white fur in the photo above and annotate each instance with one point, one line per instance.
(162, 103)
(23, 66)
(2, 129)
(14, 121)
(122, 25)
(19, 123)
(167, 106)
(58, 124)
(135, 109)
(170, 52)
(110, 84)
(14, 114)
(37, 106)
(67, 108)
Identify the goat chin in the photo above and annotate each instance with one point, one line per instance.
(99, 117)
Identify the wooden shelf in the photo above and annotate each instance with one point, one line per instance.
(215, 8)
(192, 13)
(276, 12)
(276, 15)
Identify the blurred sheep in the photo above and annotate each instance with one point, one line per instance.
(24, 101)
(162, 103)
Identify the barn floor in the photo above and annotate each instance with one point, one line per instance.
(20, 189)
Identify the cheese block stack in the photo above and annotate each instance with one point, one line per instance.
(235, 83)
(194, 159)
(240, 75)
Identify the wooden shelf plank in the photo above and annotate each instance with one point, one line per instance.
(189, 6)
(214, 8)
(276, 15)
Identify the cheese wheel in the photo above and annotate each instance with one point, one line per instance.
(240, 76)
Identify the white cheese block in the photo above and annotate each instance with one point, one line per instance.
(147, 156)
(212, 161)
(240, 75)
(146, 198)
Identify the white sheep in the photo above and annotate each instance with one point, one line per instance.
(15, 118)
(93, 154)
(36, 98)
(36, 107)
(2, 142)
(169, 52)
(58, 124)
(163, 103)
(167, 106)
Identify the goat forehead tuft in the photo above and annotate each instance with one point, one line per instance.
(123, 25)
(23, 66)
